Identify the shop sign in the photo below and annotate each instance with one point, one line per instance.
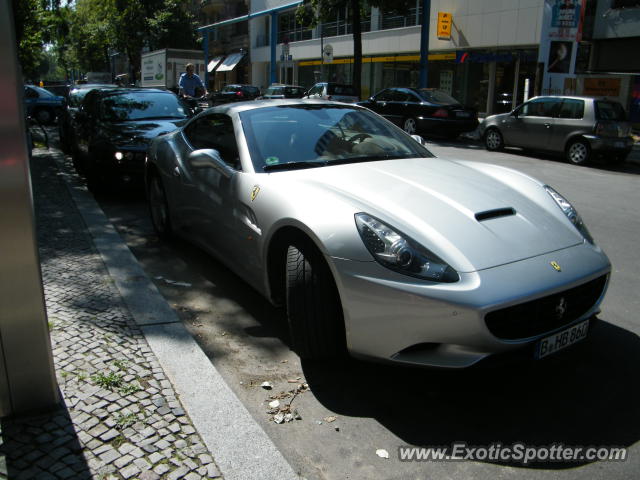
(445, 20)
(602, 87)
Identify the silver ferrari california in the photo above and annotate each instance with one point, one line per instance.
(375, 246)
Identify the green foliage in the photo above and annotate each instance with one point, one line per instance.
(125, 420)
(82, 34)
(108, 380)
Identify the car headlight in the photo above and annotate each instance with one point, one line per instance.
(570, 212)
(401, 253)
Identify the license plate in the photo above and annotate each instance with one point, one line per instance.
(618, 144)
(463, 114)
(563, 339)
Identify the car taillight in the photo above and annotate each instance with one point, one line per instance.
(239, 94)
(599, 128)
(441, 113)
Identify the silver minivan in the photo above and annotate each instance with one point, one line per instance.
(579, 127)
(336, 92)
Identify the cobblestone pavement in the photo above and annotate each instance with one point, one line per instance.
(121, 418)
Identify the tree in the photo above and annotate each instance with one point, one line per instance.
(27, 15)
(314, 12)
(173, 27)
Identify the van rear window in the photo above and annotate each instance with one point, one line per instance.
(609, 111)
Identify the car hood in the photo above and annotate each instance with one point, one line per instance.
(436, 202)
(140, 132)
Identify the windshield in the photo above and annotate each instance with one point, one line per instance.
(437, 96)
(309, 135)
(141, 106)
(42, 92)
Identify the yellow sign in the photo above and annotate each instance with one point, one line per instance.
(602, 87)
(445, 20)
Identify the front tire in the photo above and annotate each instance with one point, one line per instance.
(493, 140)
(314, 312)
(410, 126)
(578, 152)
(159, 208)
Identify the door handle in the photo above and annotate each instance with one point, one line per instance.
(548, 125)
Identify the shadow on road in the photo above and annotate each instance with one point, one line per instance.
(588, 395)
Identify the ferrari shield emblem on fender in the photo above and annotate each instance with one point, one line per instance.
(555, 266)
(254, 192)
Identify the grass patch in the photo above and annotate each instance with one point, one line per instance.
(124, 421)
(118, 441)
(130, 388)
(120, 365)
(110, 380)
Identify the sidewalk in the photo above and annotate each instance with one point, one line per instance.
(124, 416)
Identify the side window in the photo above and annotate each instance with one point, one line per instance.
(215, 131)
(402, 96)
(571, 108)
(30, 93)
(543, 107)
(384, 96)
(413, 98)
(315, 90)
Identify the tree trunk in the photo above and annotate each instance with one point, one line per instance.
(357, 45)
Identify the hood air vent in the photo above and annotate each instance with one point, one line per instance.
(498, 212)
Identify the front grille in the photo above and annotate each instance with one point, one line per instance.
(545, 314)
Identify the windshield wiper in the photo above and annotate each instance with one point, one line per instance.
(293, 166)
(369, 158)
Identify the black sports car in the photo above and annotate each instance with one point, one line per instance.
(114, 128)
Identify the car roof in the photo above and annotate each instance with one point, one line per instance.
(574, 97)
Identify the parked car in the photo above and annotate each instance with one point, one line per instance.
(114, 128)
(374, 245)
(61, 90)
(283, 91)
(41, 104)
(423, 111)
(337, 92)
(234, 93)
(66, 118)
(579, 127)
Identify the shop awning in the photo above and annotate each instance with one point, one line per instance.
(214, 63)
(230, 62)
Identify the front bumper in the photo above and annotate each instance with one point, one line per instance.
(391, 317)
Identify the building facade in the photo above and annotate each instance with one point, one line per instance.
(491, 50)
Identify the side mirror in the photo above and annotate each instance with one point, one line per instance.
(372, 100)
(514, 113)
(210, 158)
(419, 139)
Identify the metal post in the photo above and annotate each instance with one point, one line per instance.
(205, 47)
(274, 41)
(424, 43)
(27, 379)
(516, 74)
(491, 89)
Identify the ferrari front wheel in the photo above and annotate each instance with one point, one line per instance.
(314, 312)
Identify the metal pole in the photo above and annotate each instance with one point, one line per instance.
(205, 47)
(424, 43)
(27, 378)
(516, 75)
(274, 41)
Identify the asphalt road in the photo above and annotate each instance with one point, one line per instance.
(588, 395)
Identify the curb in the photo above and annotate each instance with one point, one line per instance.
(241, 448)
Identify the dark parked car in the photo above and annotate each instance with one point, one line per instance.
(41, 104)
(423, 111)
(284, 91)
(114, 128)
(579, 127)
(235, 93)
(66, 119)
(336, 92)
